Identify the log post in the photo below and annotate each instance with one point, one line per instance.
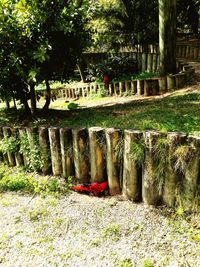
(144, 62)
(121, 88)
(32, 135)
(114, 152)
(44, 149)
(81, 154)
(150, 187)
(192, 172)
(149, 62)
(171, 85)
(66, 146)
(18, 156)
(111, 89)
(97, 154)
(154, 64)
(155, 86)
(162, 82)
(3, 157)
(147, 87)
(132, 172)
(133, 87)
(140, 87)
(55, 151)
(23, 134)
(128, 86)
(116, 88)
(11, 157)
(180, 80)
(172, 177)
(139, 59)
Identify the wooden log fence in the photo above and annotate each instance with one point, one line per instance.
(131, 161)
(143, 87)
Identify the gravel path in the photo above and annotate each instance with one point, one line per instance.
(79, 230)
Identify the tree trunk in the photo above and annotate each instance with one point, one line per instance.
(167, 36)
(14, 103)
(48, 97)
(81, 72)
(7, 104)
(33, 99)
(26, 106)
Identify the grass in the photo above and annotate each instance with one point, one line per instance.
(178, 112)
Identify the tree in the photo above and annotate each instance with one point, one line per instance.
(167, 36)
(42, 40)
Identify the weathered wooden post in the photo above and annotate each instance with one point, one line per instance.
(45, 149)
(18, 156)
(11, 157)
(180, 80)
(154, 63)
(121, 88)
(22, 135)
(55, 151)
(155, 86)
(97, 154)
(140, 87)
(192, 172)
(149, 62)
(32, 134)
(128, 87)
(147, 87)
(171, 85)
(139, 59)
(144, 62)
(133, 87)
(66, 145)
(111, 89)
(172, 177)
(3, 157)
(81, 154)
(132, 171)
(114, 148)
(150, 187)
(162, 82)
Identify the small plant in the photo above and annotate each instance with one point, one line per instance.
(112, 231)
(138, 151)
(73, 106)
(148, 263)
(183, 155)
(9, 144)
(161, 158)
(33, 160)
(124, 263)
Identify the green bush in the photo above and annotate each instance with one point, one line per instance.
(114, 67)
(73, 106)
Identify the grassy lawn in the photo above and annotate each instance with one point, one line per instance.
(176, 112)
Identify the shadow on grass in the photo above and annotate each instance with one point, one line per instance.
(172, 113)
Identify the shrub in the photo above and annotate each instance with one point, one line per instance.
(114, 67)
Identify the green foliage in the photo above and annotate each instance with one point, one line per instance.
(73, 106)
(10, 181)
(40, 40)
(112, 232)
(148, 263)
(182, 156)
(9, 144)
(31, 152)
(161, 158)
(124, 263)
(15, 179)
(115, 67)
(138, 151)
(144, 75)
